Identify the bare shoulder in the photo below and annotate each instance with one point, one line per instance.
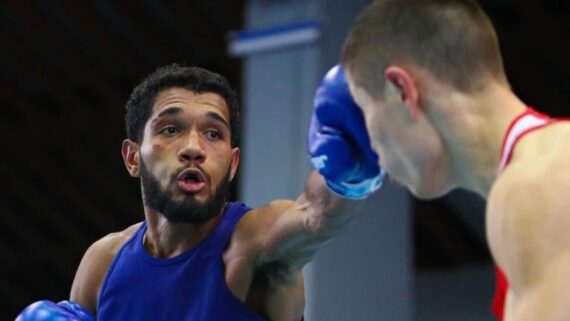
(272, 288)
(256, 218)
(248, 243)
(549, 147)
(527, 209)
(541, 161)
(94, 265)
(538, 176)
(256, 223)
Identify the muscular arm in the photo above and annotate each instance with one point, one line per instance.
(93, 268)
(530, 234)
(290, 232)
(540, 277)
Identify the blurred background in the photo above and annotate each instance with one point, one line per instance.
(67, 69)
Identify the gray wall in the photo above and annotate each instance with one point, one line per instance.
(455, 294)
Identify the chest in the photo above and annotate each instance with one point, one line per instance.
(190, 287)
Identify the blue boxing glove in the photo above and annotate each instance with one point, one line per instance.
(48, 311)
(338, 141)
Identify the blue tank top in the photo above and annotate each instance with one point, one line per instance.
(187, 287)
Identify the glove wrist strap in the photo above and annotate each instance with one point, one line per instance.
(357, 190)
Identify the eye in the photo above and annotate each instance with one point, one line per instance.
(169, 131)
(213, 134)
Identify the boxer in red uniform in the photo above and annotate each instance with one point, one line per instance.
(429, 78)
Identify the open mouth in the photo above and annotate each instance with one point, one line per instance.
(191, 180)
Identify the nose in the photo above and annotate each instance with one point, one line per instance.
(192, 151)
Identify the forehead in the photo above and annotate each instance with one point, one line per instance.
(187, 99)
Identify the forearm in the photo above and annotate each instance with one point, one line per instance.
(327, 213)
(348, 173)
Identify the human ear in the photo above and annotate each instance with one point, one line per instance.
(403, 82)
(130, 152)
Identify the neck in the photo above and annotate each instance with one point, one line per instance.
(473, 128)
(164, 239)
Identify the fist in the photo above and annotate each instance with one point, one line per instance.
(338, 142)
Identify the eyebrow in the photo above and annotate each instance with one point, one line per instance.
(217, 117)
(178, 110)
(169, 111)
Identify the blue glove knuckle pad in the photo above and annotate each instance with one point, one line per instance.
(338, 142)
(49, 311)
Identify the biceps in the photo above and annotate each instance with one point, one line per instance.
(88, 279)
(83, 290)
(290, 237)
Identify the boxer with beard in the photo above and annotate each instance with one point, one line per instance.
(197, 256)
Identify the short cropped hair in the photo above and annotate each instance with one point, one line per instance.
(452, 39)
(195, 79)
